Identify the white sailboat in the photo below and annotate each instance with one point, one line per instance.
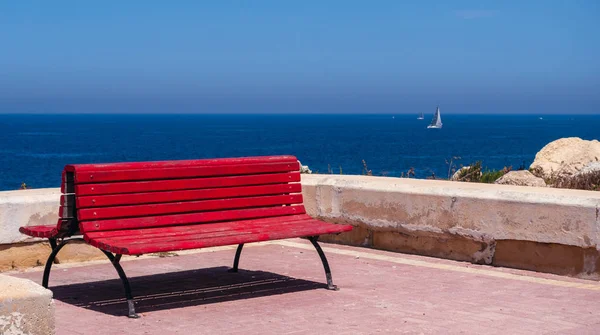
(436, 122)
(421, 116)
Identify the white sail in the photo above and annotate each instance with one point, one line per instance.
(436, 122)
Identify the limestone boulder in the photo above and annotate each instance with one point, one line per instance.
(565, 157)
(456, 174)
(521, 178)
(304, 168)
(459, 174)
(25, 307)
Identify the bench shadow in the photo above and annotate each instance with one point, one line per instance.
(179, 289)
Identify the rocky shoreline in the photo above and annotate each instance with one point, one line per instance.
(564, 163)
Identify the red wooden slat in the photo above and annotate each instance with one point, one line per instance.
(63, 180)
(183, 172)
(119, 244)
(308, 229)
(291, 228)
(65, 212)
(185, 184)
(67, 182)
(199, 227)
(181, 219)
(67, 200)
(201, 230)
(122, 236)
(179, 163)
(184, 195)
(186, 207)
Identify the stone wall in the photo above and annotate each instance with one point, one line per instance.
(543, 229)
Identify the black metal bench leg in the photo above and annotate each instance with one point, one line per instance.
(330, 286)
(52, 243)
(55, 249)
(236, 260)
(115, 262)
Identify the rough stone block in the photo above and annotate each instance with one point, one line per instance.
(25, 307)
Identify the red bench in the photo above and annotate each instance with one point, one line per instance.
(149, 207)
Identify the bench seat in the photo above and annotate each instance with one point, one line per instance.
(152, 240)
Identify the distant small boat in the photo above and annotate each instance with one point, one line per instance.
(436, 122)
(421, 116)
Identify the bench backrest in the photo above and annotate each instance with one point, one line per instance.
(104, 197)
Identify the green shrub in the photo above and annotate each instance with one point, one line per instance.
(490, 176)
(471, 173)
(474, 173)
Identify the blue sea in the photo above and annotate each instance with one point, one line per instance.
(35, 148)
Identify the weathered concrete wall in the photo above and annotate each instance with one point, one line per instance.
(25, 307)
(26, 208)
(543, 229)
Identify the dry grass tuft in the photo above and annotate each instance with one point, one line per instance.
(588, 181)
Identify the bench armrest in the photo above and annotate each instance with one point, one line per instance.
(48, 231)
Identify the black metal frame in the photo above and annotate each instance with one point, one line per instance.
(236, 260)
(114, 260)
(313, 240)
(330, 286)
(55, 249)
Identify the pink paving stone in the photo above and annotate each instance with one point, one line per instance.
(280, 290)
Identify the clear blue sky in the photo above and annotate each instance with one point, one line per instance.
(300, 56)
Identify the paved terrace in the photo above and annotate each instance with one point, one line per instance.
(280, 291)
